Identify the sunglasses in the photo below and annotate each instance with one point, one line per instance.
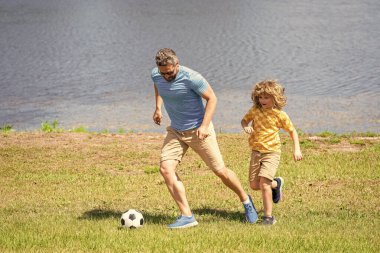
(170, 73)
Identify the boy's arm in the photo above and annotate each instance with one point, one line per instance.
(297, 150)
(246, 127)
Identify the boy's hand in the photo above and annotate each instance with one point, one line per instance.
(248, 129)
(297, 155)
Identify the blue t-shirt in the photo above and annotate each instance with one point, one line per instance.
(182, 97)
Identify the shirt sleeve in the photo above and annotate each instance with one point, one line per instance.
(286, 123)
(154, 74)
(248, 117)
(199, 83)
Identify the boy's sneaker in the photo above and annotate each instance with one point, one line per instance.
(250, 211)
(277, 192)
(268, 221)
(184, 222)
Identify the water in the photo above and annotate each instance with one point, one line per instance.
(87, 63)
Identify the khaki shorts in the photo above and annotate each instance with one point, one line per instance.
(176, 144)
(263, 165)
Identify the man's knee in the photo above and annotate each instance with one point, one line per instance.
(222, 173)
(163, 170)
(168, 167)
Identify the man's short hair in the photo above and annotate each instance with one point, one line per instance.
(166, 56)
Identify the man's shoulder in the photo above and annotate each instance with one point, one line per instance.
(186, 70)
(155, 72)
(189, 73)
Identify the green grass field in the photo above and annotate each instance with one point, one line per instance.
(65, 192)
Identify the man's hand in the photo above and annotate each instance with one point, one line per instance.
(157, 116)
(248, 129)
(202, 132)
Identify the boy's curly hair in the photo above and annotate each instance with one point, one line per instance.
(271, 88)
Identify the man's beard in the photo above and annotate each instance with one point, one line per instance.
(171, 78)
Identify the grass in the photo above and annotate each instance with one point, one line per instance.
(65, 192)
(6, 128)
(49, 127)
(79, 129)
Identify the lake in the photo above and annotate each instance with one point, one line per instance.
(88, 63)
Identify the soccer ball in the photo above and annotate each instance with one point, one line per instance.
(132, 219)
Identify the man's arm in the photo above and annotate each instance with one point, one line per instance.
(211, 101)
(157, 115)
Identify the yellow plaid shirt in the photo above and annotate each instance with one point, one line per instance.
(266, 125)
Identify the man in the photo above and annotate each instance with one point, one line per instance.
(181, 90)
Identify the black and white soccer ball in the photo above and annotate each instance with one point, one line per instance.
(132, 219)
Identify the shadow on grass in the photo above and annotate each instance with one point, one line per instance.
(100, 214)
(206, 214)
(217, 213)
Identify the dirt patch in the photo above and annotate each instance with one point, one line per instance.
(77, 139)
(352, 144)
(146, 142)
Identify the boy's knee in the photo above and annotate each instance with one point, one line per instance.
(265, 184)
(254, 185)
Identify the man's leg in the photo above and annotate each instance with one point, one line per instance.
(171, 154)
(230, 179)
(208, 150)
(175, 186)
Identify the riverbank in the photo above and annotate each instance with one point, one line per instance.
(65, 191)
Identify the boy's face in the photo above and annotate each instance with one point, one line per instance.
(266, 101)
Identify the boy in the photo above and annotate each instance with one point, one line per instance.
(264, 140)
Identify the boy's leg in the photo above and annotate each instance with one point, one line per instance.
(254, 170)
(277, 185)
(269, 164)
(266, 191)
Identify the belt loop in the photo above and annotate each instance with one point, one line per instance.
(180, 133)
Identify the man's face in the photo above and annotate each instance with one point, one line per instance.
(169, 72)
